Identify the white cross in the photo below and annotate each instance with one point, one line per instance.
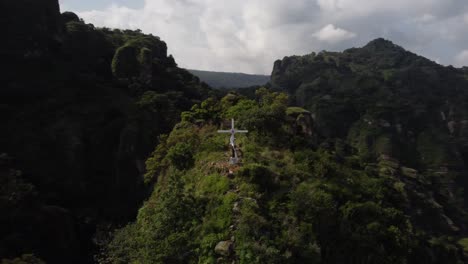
(232, 139)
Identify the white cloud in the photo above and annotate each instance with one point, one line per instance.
(115, 17)
(462, 58)
(248, 35)
(333, 34)
(353, 8)
(426, 18)
(329, 5)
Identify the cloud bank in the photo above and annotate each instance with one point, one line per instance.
(332, 34)
(462, 58)
(248, 35)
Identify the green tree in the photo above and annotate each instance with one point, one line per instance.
(125, 63)
(181, 156)
(163, 232)
(166, 227)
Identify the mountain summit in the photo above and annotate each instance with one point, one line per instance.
(381, 44)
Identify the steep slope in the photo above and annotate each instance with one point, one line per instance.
(230, 79)
(81, 109)
(295, 198)
(392, 106)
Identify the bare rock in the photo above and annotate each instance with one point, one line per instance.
(224, 248)
(236, 207)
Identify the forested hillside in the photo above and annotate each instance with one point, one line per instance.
(228, 80)
(389, 105)
(363, 162)
(109, 153)
(295, 198)
(81, 109)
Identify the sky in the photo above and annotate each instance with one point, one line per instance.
(249, 35)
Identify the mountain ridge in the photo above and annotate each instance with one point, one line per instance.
(333, 201)
(223, 80)
(352, 157)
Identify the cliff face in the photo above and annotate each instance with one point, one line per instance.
(79, 130)
(32, 34)
(32, 25)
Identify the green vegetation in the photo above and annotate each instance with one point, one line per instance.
(181, 156)
(125, 62)
(464, 243)
(24, 259)
(82, 109)
(294, 110)
(287, 202)
(114, 156)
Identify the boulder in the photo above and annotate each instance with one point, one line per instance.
(236, 207)
(301, 120)
(224, 248)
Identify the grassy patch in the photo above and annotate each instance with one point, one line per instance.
(464, 243)
(296, 111)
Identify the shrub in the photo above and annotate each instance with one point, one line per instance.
(181, 156)
(260, 175)
(125, 63)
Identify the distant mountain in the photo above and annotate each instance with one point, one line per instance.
(230, 79)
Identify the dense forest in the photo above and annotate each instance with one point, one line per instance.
(109, 153)
(81, 109)
(229, 80)
(296, 198)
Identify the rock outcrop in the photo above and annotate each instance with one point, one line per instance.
(224, 248)
(301, 120)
